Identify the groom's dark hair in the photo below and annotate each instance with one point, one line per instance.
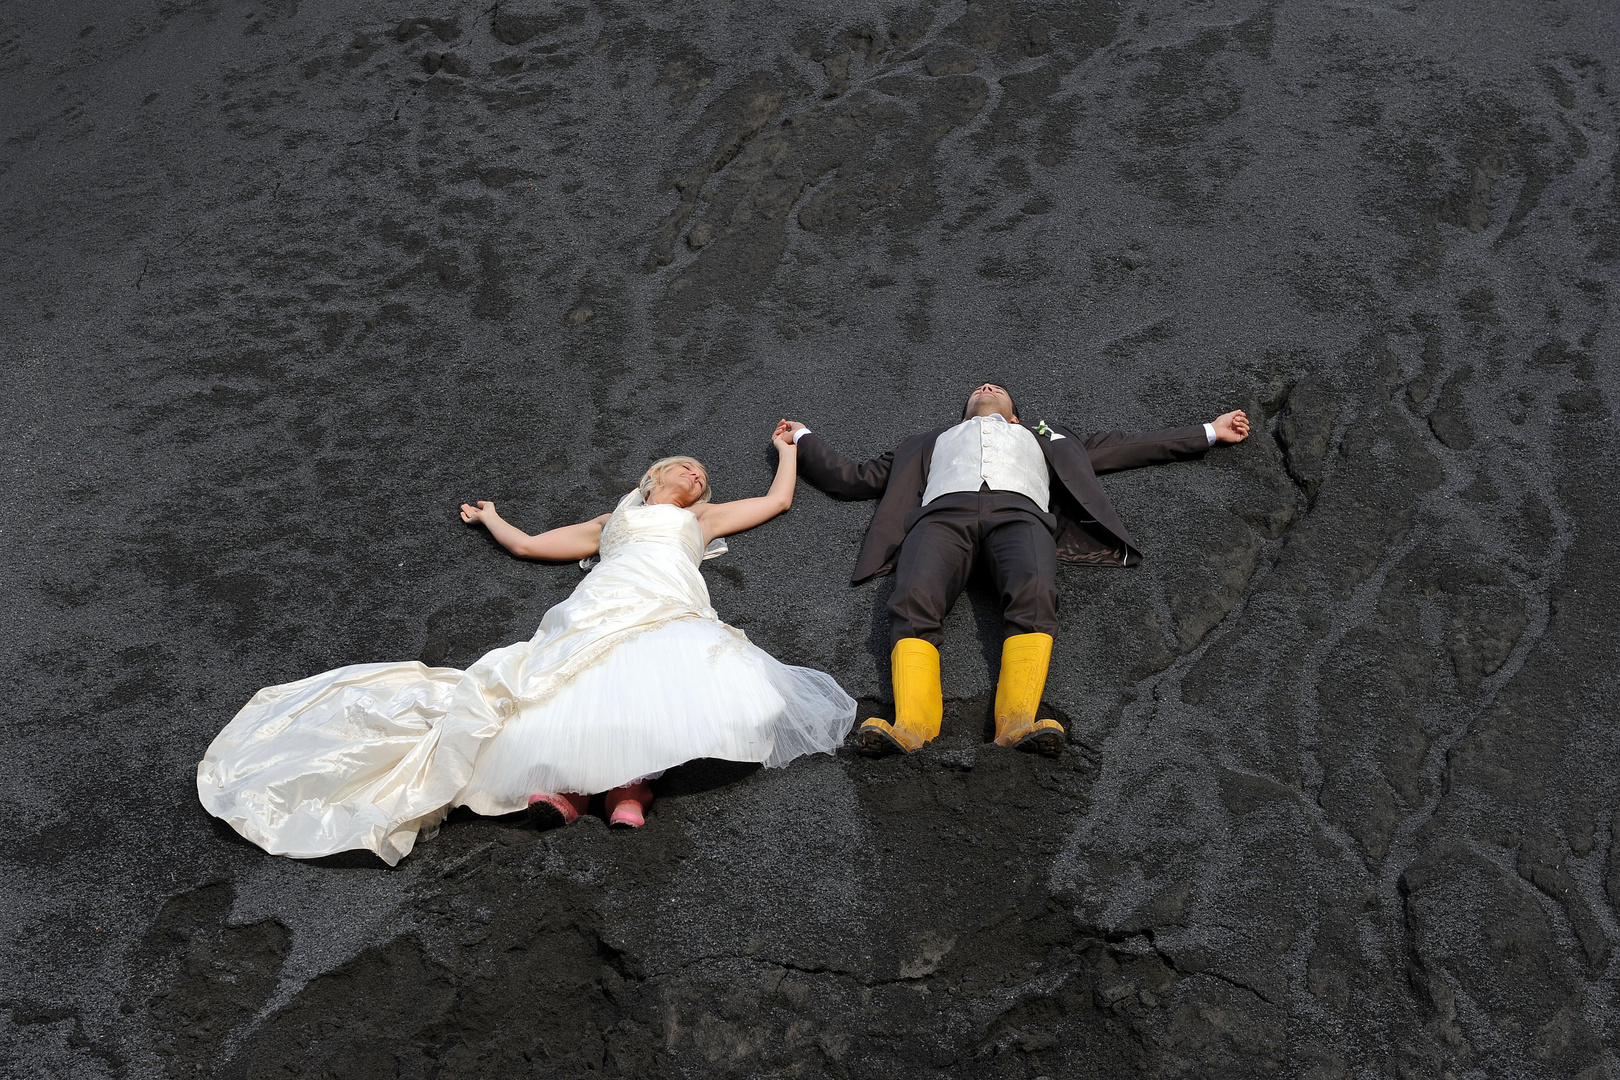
(1010, 399)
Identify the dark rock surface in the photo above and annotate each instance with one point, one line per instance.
(287, 281)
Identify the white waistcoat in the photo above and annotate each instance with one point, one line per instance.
(989, 451)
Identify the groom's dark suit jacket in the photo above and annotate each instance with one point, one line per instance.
(1088, 530)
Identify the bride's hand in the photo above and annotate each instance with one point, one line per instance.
(477, 515)
(783, 435)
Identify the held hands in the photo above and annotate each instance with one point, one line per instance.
(1231, 427)
(482, 514)
(782, 437)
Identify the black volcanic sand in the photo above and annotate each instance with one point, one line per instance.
(285, 282)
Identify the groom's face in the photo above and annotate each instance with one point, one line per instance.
(988, 399)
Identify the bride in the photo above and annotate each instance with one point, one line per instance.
(632, 674)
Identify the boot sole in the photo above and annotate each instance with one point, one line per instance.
(543, 815)
(875, 742)
(1045, 743)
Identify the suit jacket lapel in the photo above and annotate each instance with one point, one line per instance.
(1069, 464)
(927, 456)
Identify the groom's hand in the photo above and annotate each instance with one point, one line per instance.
(785, 429)
(1231, 427)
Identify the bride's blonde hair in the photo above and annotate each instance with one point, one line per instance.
(655, 474)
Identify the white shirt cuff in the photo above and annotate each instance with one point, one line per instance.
(802, 432)
(1209, 433)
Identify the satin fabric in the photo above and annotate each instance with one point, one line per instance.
(367, 756)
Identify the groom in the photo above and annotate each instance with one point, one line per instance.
(1020, 498)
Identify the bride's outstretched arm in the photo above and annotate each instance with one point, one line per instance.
(569, 542)
(723, 519)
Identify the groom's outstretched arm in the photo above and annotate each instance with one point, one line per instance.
(1111, 451)
(832, 472)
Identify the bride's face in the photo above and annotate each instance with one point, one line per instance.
(683, 484)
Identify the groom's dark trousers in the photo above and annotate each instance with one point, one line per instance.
(1007, 532)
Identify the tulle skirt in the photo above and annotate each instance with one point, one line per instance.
(689, 689)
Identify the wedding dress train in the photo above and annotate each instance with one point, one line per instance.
(632, 674)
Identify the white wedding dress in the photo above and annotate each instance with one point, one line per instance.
(632, 674)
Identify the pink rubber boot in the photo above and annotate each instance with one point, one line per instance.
(626, 805)
(550, 811)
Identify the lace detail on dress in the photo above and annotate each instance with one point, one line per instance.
(355, 723)
(275, 727)
(736, 645)
(610, 538)
(611, 530)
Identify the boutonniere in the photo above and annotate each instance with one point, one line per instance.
(1042, 429)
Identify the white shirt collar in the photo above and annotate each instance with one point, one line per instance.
(992, 416)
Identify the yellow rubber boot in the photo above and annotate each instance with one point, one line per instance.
(919, 706)
(1024, 660)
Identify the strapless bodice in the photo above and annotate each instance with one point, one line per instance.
(660, 523)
